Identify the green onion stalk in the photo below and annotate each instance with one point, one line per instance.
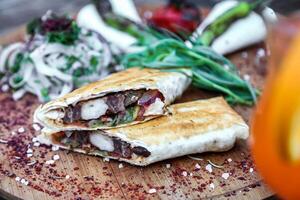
(205, 72)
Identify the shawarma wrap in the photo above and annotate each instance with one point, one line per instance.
(128, 97)
(188, 128)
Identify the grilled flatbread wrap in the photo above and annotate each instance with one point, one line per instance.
(189, 128)
(124, 98)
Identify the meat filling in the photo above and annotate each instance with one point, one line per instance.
(113, 109)
(89, 142)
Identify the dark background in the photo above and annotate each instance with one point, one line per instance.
(16, 12)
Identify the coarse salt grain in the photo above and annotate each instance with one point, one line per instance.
(3, 141)
(225, 176)
(168, 165)
(56, 157)
(29, 155)
(261, 52)
(36, 144)
(23, 180)
(209, 168)
(184, 173)
(49, 162)
(67, 176)
(17, 179)
(247, 77)
(229, 160)
(21, 130)
(55, 148)
(5, 88)
(197, 166)
(29, 151)
(226, 67)
(212, 186)
(34, 139)
(26, 183)
(36, 127)
(152, 190)
(106, 159)
(191, 174)
(13, 133)
(121, 166)
(251, 170)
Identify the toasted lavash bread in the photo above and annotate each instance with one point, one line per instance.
(189, 128)
(170, 84)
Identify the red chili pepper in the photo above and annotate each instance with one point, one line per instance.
(177, 16)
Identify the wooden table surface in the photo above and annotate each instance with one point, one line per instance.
(92, 178)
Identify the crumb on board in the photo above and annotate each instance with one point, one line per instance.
(56, 157)
(152, 190)
(55, 148)
(21, 130)
(36, 127)
(49, 162)
(184, 173)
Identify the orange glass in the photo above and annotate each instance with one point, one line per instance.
(276, 122)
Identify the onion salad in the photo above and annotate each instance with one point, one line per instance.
(56, 57)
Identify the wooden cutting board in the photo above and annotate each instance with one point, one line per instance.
(76, 176)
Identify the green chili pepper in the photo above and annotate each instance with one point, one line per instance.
(223, 22)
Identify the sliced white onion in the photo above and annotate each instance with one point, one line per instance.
(12, 58)
(65, 89)
(6, 52)
(18, 94)
(47, 61)
(126, 8)
(43, 68)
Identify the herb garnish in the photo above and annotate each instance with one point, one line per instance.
(45, 94)
(206, 69)
(94, 62)
(57, 29)
(17, 64)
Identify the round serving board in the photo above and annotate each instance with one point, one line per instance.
(77, 176)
